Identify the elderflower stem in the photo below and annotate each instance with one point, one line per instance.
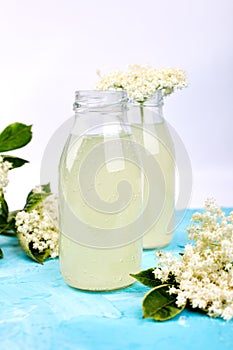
(141, 113)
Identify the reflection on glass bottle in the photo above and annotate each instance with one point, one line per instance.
(151, 131)
(100, 196)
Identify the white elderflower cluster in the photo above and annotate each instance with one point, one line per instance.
(4, 168)
(142, 82)
(204, 273)
(39, 226)
(171, 79)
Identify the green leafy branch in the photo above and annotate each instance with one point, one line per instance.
(14, 136)
(158, 303)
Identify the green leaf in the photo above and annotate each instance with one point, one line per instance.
(15, 161)
(32, 253)
(159, 305)
(1, 254)
(34, 198)
(15, 136)
(147, 278)
(8, 228)
(7, 220)
(3, 211)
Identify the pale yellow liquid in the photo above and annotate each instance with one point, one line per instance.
(161, 233)
(89, 267)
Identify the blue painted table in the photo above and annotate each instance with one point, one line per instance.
(39, 311)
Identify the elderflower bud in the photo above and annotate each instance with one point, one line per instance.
(5, 166)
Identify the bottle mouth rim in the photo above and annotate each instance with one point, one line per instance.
(154, 100)
(99, 98)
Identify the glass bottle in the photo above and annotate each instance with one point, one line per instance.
(151, 132)
(100, 196)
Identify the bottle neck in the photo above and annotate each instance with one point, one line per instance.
(100, 112)
(147, 112)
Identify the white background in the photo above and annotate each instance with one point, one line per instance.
(50, 48)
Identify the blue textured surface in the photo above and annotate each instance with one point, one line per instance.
(39, 311)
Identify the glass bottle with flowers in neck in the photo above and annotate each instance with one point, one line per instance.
(158, 161)
(146, 86)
